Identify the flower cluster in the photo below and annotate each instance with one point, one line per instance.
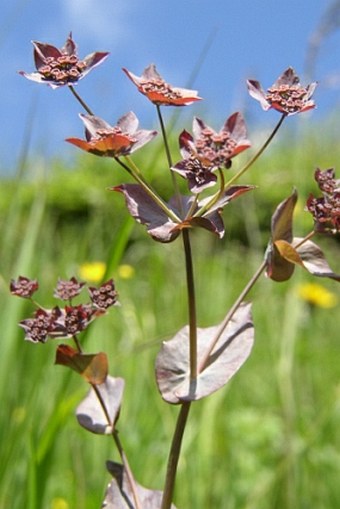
(326, 209)
(102, 139)
(64, 322)
(60, 67)
(208, 150)
(286, 95)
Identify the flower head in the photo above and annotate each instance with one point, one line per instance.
(208, 150)
(67, 290)
(286, 95)
(44, 323)
(326, 209)
(102, 139)
(151, 84)
(23, 287)
(60, 67)
(105, 296)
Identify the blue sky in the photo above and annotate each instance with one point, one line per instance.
(250, 40)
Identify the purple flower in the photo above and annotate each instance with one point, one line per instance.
(326, 209)
(152, 85)
(67, 290)
(105, 296)
(45, 323)
(208, 150)
(23, 287)
(60, 67)
(102, 139)
(286, 95)
(77, 318)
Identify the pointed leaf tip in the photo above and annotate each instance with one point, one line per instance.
(92, 367)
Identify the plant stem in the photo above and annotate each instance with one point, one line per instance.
(191, 305)
(307, 237)
(230, 314)
(79, 99)
(174, 455)
(258, 153)
(119, 447)
(168, 156)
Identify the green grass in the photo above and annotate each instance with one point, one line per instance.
(269, 439)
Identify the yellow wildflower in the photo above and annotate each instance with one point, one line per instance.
(317, 295)
(126, 271)
(92, 271)
(59, 503)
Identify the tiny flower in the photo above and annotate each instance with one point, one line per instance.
(23, 287)
(286, 95)
(317, 295)
(104, 296)
(126, 271)
(208, 150)
(67, 290)
(77, 318)
(158, 91)
(45, 323)
(326, 209)
(102, 139)
(60, 67)
(92, 271)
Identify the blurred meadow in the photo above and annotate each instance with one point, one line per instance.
(270, 439)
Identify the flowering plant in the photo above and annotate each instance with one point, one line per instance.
(196, 362)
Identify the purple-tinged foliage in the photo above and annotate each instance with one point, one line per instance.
(230, 351)
(92, 367)
(164, 229)
(59, 67)
(44, 324)
(102, 139)
(286, 95)
(120, 495)
(90, 414)
(153, 86)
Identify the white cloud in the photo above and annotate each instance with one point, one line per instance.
(99, 21)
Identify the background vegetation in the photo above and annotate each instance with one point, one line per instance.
(270, 439)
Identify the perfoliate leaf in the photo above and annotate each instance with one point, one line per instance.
(278, 267)
(282, 219)
(92, 367)
(229, 353)
(313, 259)
(288, 252)
(120, 494)
(90, 413)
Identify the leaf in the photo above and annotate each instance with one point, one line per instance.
(288, 252)
(313, 259)
(278, 267)
(119, 494)
(230, 352)
(282, 219)
(90, 413)
(92, 367)
(146, 211)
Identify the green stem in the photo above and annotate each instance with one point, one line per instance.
(79, 99)
(168, 156)
(230, 314)
(174, 456)
(258, 153)
(138, 177)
